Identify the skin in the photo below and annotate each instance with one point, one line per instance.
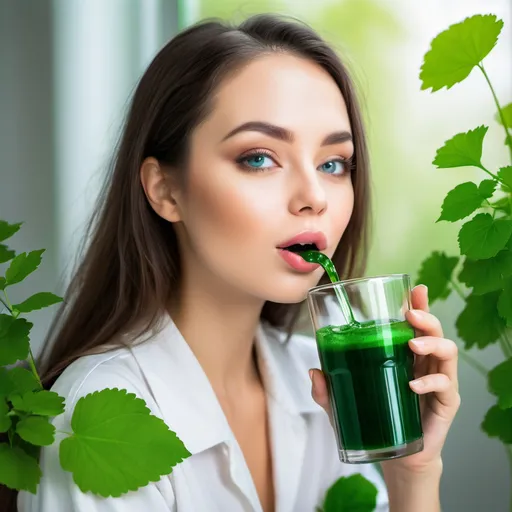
(229, 220)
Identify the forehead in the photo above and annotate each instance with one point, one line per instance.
(285, 89)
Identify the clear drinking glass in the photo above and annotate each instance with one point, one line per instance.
(368, 366)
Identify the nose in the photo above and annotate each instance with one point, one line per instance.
(308, 193)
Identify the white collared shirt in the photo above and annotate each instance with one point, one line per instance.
(164, 372)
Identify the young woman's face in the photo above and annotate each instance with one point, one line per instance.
(249, 191)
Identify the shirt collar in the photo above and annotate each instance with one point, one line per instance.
(185, 397)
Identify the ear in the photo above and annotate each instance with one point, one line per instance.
(159, 191)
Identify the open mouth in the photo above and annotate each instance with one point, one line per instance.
(296, 248)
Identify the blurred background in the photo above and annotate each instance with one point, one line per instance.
(68, 68)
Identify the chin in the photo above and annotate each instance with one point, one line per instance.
(291, 291)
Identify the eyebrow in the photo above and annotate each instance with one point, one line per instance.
(283, 134)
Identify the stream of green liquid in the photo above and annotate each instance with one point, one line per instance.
(368, 367)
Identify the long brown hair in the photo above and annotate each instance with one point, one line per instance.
(130, 266)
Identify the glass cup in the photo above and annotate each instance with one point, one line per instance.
(368, 366)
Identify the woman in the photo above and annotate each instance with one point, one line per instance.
(237, 140)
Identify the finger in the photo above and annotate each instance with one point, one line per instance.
(419, 298)
(441, 385)
(424, 322)
(445, 351)
(319, 389)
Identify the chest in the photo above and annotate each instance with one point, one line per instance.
(250, 427)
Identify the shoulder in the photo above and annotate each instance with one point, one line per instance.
(113, 369)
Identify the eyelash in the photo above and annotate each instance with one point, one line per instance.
(348, 163)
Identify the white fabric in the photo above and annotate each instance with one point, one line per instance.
(165, 373)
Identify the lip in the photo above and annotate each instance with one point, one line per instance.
(294, 260)
(307, 237)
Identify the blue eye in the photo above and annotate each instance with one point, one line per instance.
(334, 167)
(256, 161)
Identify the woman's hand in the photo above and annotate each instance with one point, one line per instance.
(435, 381)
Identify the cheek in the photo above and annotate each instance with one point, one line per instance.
(341, 206)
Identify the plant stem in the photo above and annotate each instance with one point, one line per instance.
(500, 111)
(456, 287)
(33, 368)
(505, 344)
(31, 356)
(492, 175)
(476, 365)
(5, 304)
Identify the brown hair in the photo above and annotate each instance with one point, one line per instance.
(131, 266)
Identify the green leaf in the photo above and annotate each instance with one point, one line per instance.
(2, 283)
(498, 423)
(464, 149)
(457, 50)
(6, 254)
(500, 383)
(436, 272)
(483, 237)
(5, 421)
(17, 469)
(17, 380)
(503, 205)
(37, 301)
(44, 403)
(465, 198)
(505, 175)
(14, 339)
(23, 265)
(7, 230)
(117, 444)
(487, 188)
(36, 430)
(505, 303)
(351, 494)
(479, 323)
(487, 275)
(507, 114)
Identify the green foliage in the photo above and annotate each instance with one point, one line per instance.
(36, 430)
(350, 494)
(436, 273)
(507, 115)
(500, 383)
(464, 149)
(18, 470)
(456, 51)
(484, 236)
(498, 423)
(465, 198)
(479, 323)
(44, 403)
(114, 430)
(14, 339)
(488, 275)
(485, 241)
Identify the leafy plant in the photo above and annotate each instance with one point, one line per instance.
(484, 265)
(100, 445)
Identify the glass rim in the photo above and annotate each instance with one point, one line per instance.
(354, 280)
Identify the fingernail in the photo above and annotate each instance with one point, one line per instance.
(311, 375)
(418, 383)
(419, 343)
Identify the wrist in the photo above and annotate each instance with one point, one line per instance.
(394, 469)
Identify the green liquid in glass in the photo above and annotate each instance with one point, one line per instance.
(368, 368)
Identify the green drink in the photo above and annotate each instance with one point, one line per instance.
(368, 368)
(362, 338)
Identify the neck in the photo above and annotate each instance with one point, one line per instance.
(220, 326)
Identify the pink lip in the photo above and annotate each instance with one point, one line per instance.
(294, 260)
(307, 237)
